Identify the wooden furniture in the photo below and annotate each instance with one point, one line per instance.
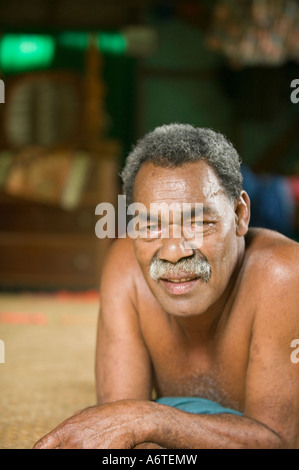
(43, 245)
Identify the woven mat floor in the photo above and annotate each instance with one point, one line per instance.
(48, 373)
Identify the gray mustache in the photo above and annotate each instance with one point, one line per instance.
(198, 265)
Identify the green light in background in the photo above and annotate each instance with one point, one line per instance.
(22, 52)
(75, 40)
(25, 52)
(111, 43)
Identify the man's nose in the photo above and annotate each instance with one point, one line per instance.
(173, 249)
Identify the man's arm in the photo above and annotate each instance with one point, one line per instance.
(123, 367)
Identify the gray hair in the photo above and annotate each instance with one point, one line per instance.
(172, 145)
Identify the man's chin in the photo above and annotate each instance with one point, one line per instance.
(182, 301)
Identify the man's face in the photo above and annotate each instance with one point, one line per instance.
(186, 278)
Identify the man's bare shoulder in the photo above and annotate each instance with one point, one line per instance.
(122, 251)
(267, 248)
(121, 263)
(271, 265)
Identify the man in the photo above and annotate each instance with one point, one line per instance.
(208, 325)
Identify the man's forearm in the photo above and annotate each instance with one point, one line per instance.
(129, 424)
(175, 429)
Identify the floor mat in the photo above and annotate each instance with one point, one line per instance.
(48, 373)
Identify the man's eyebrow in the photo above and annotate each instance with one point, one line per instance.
(208, 210)
(198, 211)
(195, 211)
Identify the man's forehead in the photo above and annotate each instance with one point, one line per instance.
(190, 180)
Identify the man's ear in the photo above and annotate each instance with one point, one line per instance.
(242, 213)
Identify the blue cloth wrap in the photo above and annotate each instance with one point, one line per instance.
(195, 405)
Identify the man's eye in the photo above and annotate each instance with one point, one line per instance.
(196, 223)
(200, 225)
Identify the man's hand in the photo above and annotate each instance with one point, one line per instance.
(119, 425)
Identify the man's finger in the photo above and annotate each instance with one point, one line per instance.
(49, 441)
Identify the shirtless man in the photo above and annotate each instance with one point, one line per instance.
(214, 321)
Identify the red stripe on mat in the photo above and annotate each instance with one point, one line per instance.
(88, 296)
(22, 318)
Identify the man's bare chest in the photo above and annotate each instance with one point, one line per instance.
(216, 370)
(219, 376)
